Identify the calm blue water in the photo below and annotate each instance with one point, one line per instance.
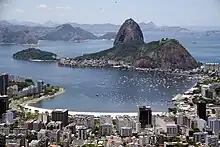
(108, 90)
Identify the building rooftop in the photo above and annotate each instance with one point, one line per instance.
(3, 96)
(171, 125)
(60, 110)
(126, 127)
(145, 107)
(1, 74)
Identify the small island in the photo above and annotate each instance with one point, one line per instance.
(32, 54)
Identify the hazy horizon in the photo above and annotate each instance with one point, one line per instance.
(162, 13)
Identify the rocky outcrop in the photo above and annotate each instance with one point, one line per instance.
(108, 36)
(20, 37)
(66, 32)
(129, 31)
(169, 54)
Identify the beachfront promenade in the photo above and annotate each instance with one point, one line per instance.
(33, 109)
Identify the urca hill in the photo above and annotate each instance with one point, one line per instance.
(129, 49)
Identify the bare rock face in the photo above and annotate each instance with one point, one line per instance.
(129, 31)
(173, 55)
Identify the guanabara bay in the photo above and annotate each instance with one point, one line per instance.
(129, 49)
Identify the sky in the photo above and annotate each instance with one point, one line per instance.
(161, 12)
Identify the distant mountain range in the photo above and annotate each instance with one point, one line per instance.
(105, 28)
(98, 28)
(17, 31)
(19, 37)
(67, 32)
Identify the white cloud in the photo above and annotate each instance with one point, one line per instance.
(5, 5)
(19, 10)
(63, 7)
(42, 6)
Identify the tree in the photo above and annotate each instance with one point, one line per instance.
(14, 125)
(175, 139)
(29, 81)
(31, 136)
(114, 122)
(213, 111)
(196, 130)
(174, 110)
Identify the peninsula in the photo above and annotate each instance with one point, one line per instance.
(33, 54)
(130, 50)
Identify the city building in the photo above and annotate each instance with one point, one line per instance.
(106, 129)
(201, 110)
(200, 136)
(212, 67)
(45, 118)
(166, 125)
(201, 124)
(18, 131)
(12, 90)
(60, 115)
(138, 127)
(214, 125)
(3, 84)
(126, 121)
(83, 120)
(4, 104)
(145, 116)
(212, 140)
(36, 125)
(28, 91)
(40, 85)
(82, 133)
(9, 117)
(204, 89)
(28, 124)
(106, 125)
(34, 143)
(2, 139)
(55, 125)
(171, 130)
(126, 131)
(183, 120)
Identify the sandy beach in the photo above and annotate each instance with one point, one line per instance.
(27, 100)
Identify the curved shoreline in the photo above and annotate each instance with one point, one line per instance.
(36, 100)
(30, 108)
(26, 105)
(26, 101)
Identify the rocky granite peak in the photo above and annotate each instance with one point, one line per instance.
(129, 31)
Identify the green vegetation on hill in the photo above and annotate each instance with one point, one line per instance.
(165, 53)
(119, 52)
(35, 54)
(132, 50)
